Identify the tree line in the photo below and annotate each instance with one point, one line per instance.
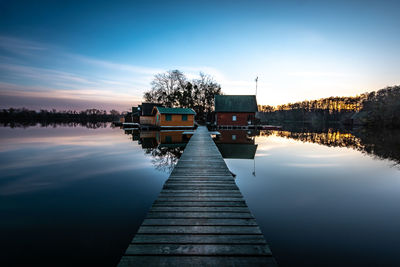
(174, 89)
(380, 108)
(26, 117)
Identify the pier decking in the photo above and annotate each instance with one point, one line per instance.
(200, 217)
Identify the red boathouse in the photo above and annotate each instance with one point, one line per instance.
(235, 110)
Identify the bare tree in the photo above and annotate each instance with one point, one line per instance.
(165, 87)
(174, 90)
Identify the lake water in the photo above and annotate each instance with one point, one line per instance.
(76, 196)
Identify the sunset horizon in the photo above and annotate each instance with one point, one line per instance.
(105, 55)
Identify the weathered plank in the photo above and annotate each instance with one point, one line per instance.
(198, 187)
(200, 209)
(199, 239)
(144, 229)
(200, 222)
(200, 194)
(199, 203)
(201, 199)
(184, 261)
(186, 215)
(200, 181)
(198, 191)
(197, 249)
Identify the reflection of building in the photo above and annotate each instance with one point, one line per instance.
(173, 117)
(165, 147)
(235, 110)
(134, 132)
(236, 144)
(148, 139)
(172, 139)
(154, 139)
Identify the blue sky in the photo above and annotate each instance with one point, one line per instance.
(103, 54)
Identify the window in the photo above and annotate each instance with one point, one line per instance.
(234, 118)
(233, 136)
(184, 117)
(168, 117)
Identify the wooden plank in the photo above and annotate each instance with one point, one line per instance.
(200, 195)
(194, 186)
(200, 184)
(222, 177)
(199, 203)
(199, 230)
(199, 209)
(199, 239)
(194, 214)
(209, 181)
(197, 249)
(200, 222)
(184, 261)
(201, 199)
(197, 191)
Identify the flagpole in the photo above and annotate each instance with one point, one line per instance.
(256, 84)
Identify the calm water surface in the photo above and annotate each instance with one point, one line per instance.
(76, 196)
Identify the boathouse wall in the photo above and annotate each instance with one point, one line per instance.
(242, 118)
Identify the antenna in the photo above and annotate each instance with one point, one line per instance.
(254, 166)
(256, 84)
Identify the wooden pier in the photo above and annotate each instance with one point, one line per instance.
(200, 217)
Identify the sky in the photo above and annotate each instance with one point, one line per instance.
(104, 54)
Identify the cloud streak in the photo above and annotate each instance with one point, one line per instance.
(28, 75)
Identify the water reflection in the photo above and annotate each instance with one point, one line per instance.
(317, 198)
(384, 144)
(236, 144)
(88, 191)
(165, 147)
(90, 125)
(71, 191)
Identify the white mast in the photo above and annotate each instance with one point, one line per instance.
(256, 84)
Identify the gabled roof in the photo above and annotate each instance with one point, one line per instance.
(235, 103)
(188, 111)
(147, 108)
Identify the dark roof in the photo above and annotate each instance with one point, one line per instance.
(176, 111)
(147, 108)
(235, 103)
(237, 151)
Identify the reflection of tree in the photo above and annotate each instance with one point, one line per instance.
(383, 144)
(90, 118)
(90, 125)
(330, 138)
(165, 158)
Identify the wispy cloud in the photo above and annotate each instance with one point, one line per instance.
(28, 71)
(20, 45)
(34, 70)
(115, 66)
(42, 74)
